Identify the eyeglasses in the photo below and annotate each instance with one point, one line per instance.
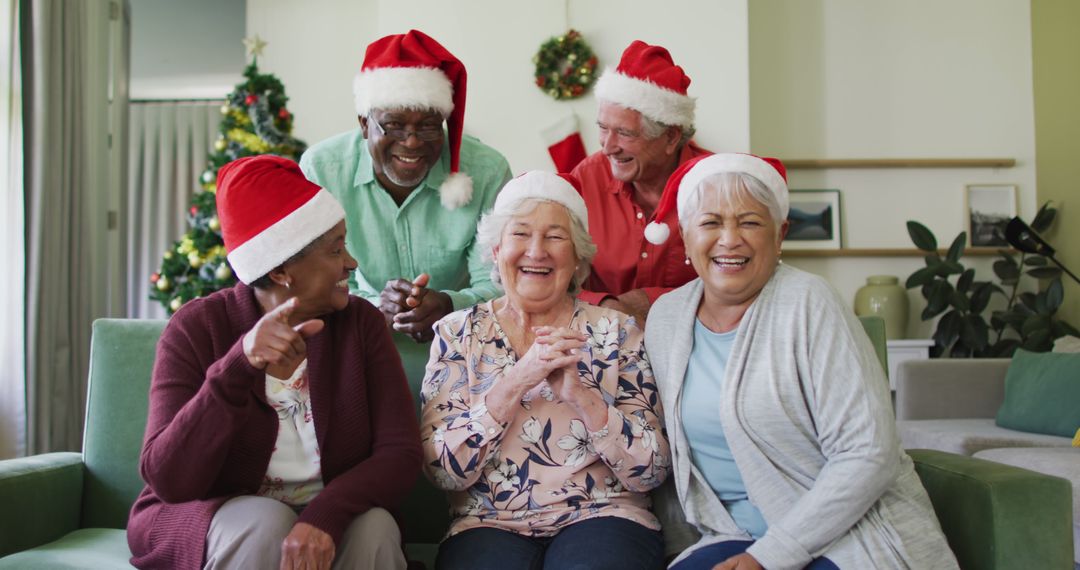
(426, 134)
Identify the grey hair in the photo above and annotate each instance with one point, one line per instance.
(489, 234)
(651, 129)
(730, 186)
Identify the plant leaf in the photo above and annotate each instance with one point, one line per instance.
(1039, 341)
(1044, 272)
(980, 297)
(1044, 218)
(963, 284)
(960, 301)
(948, 329)
(974, 332)
(1035, 261)
(1028, 300)
(938, 301)
(1033, 324)
(921, 277)
(957, 247)
(932, 259)
(1055, 295)
(1062, 328)
(946, 268)
(1007, 271)
(922, 237)
(1005, 348)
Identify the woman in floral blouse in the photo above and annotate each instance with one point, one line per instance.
(540, 413)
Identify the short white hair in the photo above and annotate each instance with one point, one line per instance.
(490, 229)
(730, 187)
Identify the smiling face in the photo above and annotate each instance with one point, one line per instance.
(536, 258)
(631, 155)
(319, 278)
(734, 245)
(401, 166)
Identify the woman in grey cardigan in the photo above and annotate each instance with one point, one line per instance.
(783, 440)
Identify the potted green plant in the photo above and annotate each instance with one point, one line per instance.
(951, 291)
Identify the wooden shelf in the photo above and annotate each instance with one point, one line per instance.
(882, 252)
(816, 163)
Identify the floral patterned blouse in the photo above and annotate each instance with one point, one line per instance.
(294, 475)
(543, 470)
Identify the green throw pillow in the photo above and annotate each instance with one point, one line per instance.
(1042, 393)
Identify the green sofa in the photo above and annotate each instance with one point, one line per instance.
(69, 510)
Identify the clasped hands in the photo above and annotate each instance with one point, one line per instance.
(411, 308)
(553, 356)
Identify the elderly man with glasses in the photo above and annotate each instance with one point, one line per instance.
(646, 120)
(412, 192)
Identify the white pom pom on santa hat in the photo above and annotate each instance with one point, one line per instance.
(456, 190)
(657, 232)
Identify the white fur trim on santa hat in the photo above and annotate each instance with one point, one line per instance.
(732, 162)
(403, 88)
(540, 185)
(456, 190)
(277, 243)
(659, 104)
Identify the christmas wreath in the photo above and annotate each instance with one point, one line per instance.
(565, 66)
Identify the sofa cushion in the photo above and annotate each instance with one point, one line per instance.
(1060, 462)
(1041, 392)
(103, 548)
(969, 435)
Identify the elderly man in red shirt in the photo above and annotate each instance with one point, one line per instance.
(646, 120)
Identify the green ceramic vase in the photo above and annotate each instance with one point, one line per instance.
(883, 296)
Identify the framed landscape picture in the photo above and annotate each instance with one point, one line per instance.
(814, 220)
(989, 207)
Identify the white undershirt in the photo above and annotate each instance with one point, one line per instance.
(294, 475)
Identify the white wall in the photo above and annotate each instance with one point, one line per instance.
(316, 48)
(188, 49)
(882, 79)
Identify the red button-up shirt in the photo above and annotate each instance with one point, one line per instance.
(625, 260)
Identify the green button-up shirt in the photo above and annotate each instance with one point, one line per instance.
(420, 236)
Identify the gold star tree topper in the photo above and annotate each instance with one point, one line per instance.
(254, 45)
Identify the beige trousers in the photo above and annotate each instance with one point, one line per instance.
(247, 532)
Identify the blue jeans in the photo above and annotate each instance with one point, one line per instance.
(594, 544)
(708, 556)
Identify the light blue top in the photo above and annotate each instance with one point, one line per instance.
(420, 236)
(700, 402)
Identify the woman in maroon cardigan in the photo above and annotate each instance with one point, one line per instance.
(281, 430)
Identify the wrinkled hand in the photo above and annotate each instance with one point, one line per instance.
(553, 349)
(636, 304)
(739, 562)
(423, 308)
(307, 548)
(273, 342)
(566, 383)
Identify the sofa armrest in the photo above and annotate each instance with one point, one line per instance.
(41, 497)
(996, 515)
(948, 388)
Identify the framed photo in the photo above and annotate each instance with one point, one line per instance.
(814, 220)
(989, 207)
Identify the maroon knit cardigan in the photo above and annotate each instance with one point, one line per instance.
(210, 431)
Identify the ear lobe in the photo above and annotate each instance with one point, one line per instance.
(363, 125)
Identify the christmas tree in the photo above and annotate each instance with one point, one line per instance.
(254, 121)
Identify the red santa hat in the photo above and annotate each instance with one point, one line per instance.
(687, 178)
(539, 185)
(648, 81)
(269, 212)
(413, 71)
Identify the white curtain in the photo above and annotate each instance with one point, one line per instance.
(12, 253)
(75, 104)
(169, 144)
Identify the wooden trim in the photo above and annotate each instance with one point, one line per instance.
(819, 163)
(884, 252)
